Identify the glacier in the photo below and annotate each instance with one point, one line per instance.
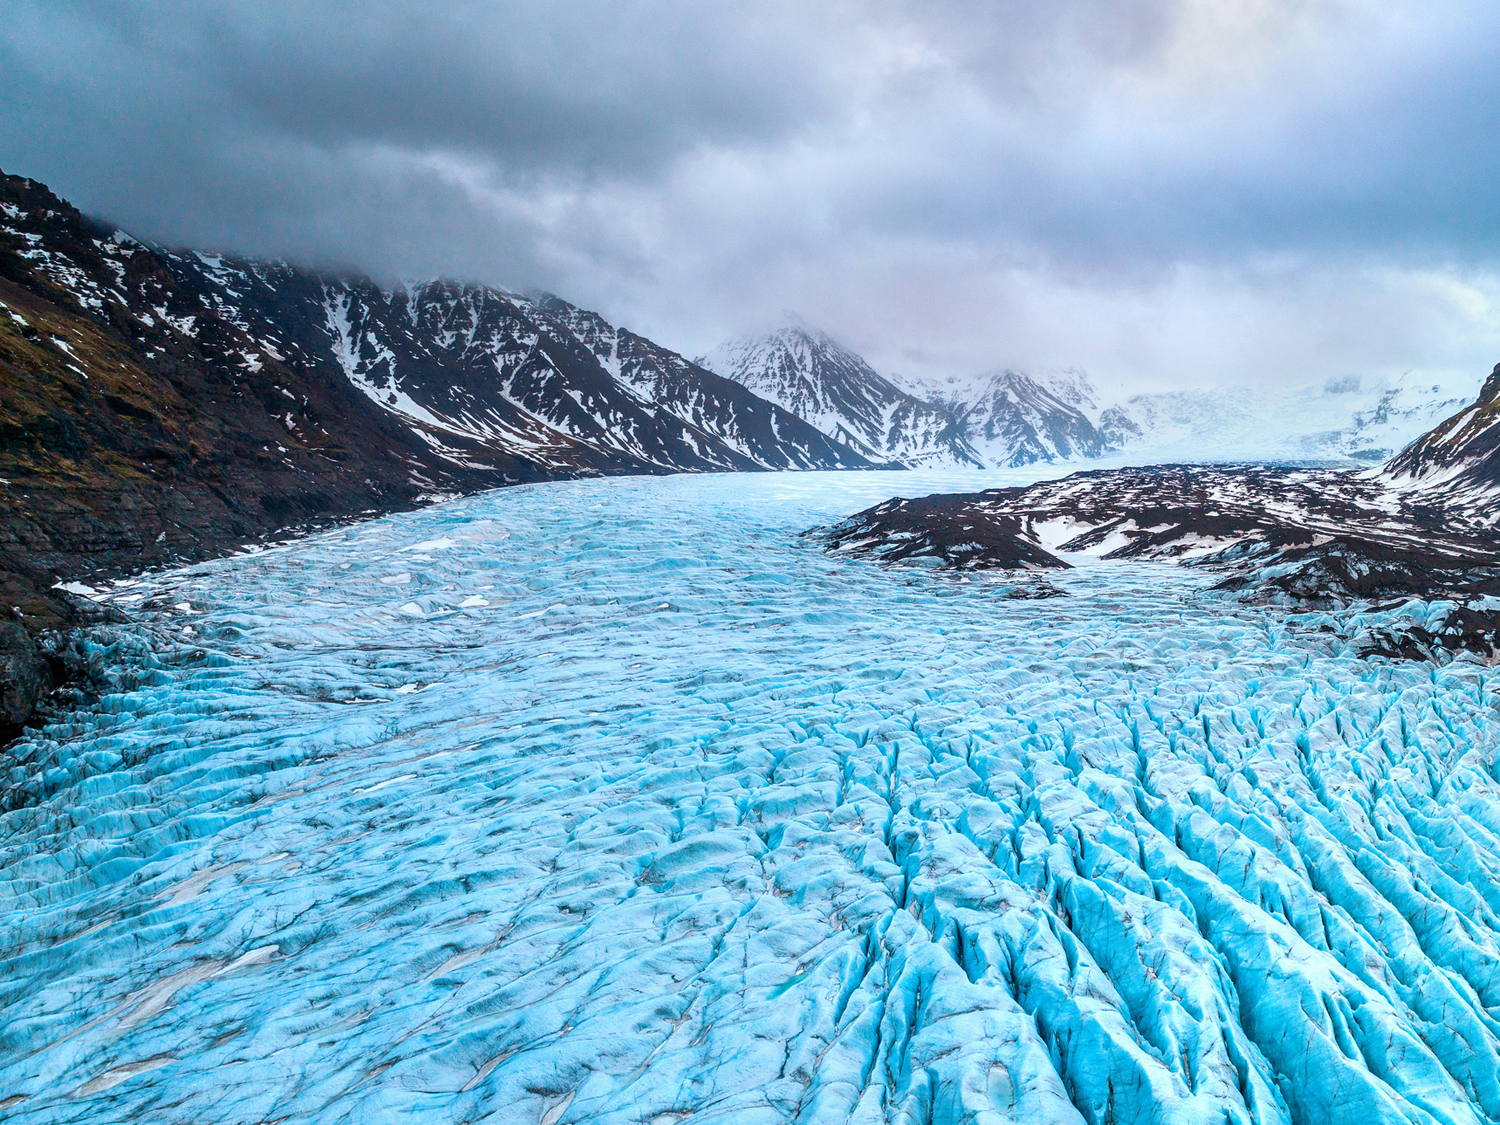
(622, 801)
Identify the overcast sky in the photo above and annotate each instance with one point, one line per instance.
(1163, 192)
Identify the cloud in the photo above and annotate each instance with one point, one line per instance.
(1161, 190)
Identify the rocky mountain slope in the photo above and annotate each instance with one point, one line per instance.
(810, 375)
(1461, 457)
(159, 405)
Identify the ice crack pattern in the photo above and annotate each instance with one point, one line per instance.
(618, 801)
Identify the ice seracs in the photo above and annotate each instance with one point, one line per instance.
(819, 842)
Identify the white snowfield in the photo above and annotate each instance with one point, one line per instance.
(657, 813)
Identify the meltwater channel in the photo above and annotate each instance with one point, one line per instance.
(619, 801)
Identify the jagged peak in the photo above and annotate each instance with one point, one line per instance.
(799, 350)
(1491, 389)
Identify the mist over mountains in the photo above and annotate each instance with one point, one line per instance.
(1007, 418)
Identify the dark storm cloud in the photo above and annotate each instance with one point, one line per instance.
(280, 125)
(1376, 142)
(605, 87)
(1144, 185)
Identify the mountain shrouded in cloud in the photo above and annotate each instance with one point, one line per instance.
(806, 372)
(1165, 193)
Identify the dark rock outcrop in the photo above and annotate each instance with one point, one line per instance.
(126, 442)
(25, 676)
(943, 531)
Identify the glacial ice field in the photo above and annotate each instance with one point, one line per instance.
(618, 801)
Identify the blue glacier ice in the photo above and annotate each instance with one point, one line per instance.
(619, 801)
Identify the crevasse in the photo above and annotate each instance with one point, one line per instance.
(618, 801)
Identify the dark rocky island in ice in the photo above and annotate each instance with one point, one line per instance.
(1424, 526)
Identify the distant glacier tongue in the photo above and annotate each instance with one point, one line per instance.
(618, 801)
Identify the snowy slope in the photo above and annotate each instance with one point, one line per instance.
(752, 426)
(1362, 420)
(1458, 460)
(480, 814)
(811, 376)
(1014, 419)
(487, 380)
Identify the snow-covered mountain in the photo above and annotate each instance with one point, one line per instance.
(1349, 418)
(755, 429)
(1460, 458)
(1008, 418)
(1015, 419)
(1063, 416)
(835, 390)
(477, 370)
(486, 379)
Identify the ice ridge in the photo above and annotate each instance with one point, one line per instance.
(619, 801)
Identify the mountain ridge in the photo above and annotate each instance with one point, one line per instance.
(1006, 418)
(809, 374)
(161, 405)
